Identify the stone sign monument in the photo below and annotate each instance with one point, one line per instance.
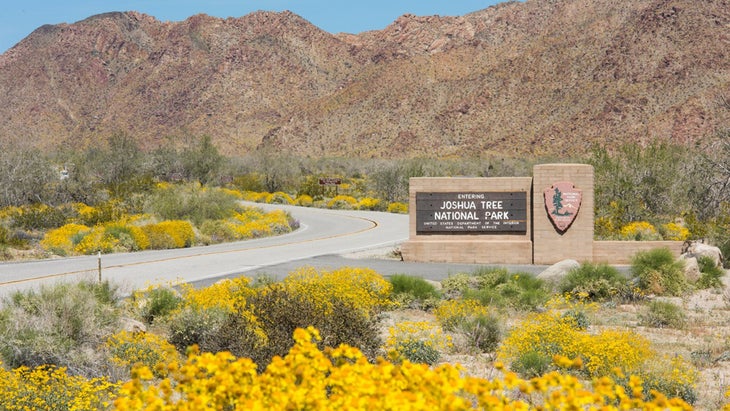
(541, 219)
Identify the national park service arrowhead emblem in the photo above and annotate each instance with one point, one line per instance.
(562, 202)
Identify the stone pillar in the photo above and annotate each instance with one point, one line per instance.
(555, 237)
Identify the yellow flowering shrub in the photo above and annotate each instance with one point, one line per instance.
(235, 193)
(256, 197)
(227, 294)
(417, 341)
(450, 313)
(549, 334)
(399, 208)
(364, 288)
(368, 203)
(342, 378)
(170, 234)
(61, 240)
(280, 197)
(675, 232)
(130, 349)
(304, 200)
(342, 202)
(639, 230)
(113, 237)
(51, 388)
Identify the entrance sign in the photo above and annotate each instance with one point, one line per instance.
(471, 212)
(562, 202)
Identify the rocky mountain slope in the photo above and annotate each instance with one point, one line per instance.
(541, 77)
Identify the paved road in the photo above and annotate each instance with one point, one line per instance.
(327, 239)
(322, 232)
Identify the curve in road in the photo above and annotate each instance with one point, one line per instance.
(321, 232)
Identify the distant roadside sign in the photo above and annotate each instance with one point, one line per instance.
(329, 181)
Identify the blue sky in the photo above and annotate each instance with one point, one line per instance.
(20, 17)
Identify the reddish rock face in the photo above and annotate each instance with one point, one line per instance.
(526, 79)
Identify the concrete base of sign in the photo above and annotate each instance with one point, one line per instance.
(468, 251)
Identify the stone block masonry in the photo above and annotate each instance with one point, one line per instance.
(540, 220)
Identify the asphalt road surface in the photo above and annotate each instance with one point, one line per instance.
(326, 239)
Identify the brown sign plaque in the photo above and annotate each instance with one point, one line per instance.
(471, 213)
(562, 201)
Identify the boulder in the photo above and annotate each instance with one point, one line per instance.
(696, 249)
(691, 268)
(556, 272)
(132, 326)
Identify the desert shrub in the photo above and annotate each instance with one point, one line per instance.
(597, 282)
(219, 231)
(532, 364)
(363, 288)
(129, 349)
(671, 376)
(662, 314)
(308, 377)
(304, 200)
(249, 182)
(398, 208)
(342, 202)
(277, 311)
(48, 387)
(711, 275)
(413, 290)
(659, 272)
(280, 197)
(544, 335)
(674, 232)
(455, 285)
(60, 325)
(417, 341)
(103, 212)
(368, 203)
(639, 231)
(64, 239)
(108, 238)
(154, 303)
(191, 202)
(497, 287)
(169, 234)
(450, 314)
(195, 326)
(482, 332)
(40, 216)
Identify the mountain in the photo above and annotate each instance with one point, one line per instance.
(541, 77)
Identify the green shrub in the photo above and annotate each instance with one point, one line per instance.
(61, 325)
(193, 203)
(279, 312)
(661, 314)
(659, 272)
(194, 325)
(482, 332)
(418, 351)
(40, 217)
(416, 287)
(497, 287)
(578, 317)
(596, 282)
(531, 364)
(711, 274)
(158, 303)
